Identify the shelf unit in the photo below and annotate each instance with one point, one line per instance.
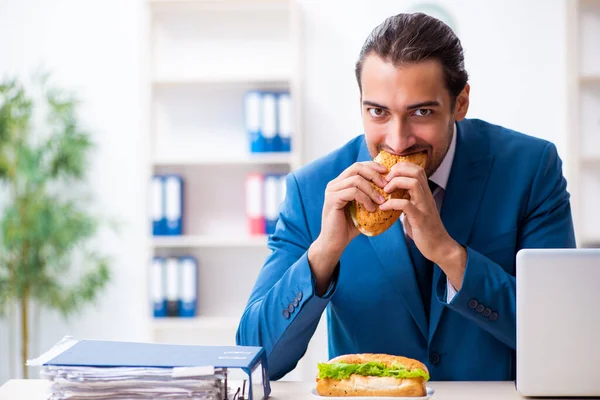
(584, 119)
(203, 57)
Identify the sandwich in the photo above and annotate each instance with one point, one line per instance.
(372, 375)
(376, 222)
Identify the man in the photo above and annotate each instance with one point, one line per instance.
(439, 285)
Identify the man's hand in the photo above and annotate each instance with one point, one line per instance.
(337, 228)
(422, 220)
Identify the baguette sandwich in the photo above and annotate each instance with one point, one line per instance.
(372, 375)
(377, 222)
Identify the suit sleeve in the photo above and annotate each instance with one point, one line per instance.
(283, 311)
(547, 223)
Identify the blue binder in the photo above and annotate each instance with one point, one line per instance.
(269, 121)
(271, 198)
(157, 205)
(252, 120)
(173, 188)
(188, 286)
(96, 353)
(159, 298)
(284, 122)
(172, 286)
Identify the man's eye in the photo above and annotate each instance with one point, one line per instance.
(423, 112)
(376, 112)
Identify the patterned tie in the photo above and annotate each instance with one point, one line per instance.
(423, 268)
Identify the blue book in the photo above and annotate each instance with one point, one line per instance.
(252, 120)
(188, 286)
(96, 353)
(272, 202)
(173, 187)
(284, 122)
(158, 284)
(157, 205)
(269, 121)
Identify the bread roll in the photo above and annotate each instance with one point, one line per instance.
(377, 222)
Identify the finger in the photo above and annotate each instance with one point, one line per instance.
(369, 170)
(343, 197)
(409, 170)
(406, 206)
(415, 190)
(360, 183)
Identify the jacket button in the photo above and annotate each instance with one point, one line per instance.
(286, 314)
(295, 303)
(480, 308)
(487, 312)
(473, 303)
(299, 296)
(434, 358)
(493, 316)
(291, 308)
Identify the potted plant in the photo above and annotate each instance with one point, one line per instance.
(45, 218)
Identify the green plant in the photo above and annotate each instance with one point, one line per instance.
(45, 222)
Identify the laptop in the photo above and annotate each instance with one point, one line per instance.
(558, 322)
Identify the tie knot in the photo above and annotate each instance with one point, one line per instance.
(432, 185)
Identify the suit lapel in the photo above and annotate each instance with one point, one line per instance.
(392, 251)
(466, 184)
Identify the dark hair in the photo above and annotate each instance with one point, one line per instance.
(410, 38)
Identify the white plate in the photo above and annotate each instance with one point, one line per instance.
(430, 392)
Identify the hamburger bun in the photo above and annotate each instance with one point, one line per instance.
(376, 222)
(361, 385)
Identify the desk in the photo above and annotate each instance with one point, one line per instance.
(36, 389)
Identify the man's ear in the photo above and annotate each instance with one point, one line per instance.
(462, 104)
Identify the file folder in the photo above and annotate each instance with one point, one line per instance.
(188, 284)
(252, 120)
(159, 299)
(269, 120)
(252, 361)
(173, 205)
(271, 202)
(255, 204)
(157, 206)
(172, 286)
(284, 122)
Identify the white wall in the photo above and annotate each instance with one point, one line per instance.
(95, 48)
(515, 54)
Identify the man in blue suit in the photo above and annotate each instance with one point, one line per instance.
(439, 285)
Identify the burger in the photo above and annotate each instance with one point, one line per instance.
(372, 375)
(378, 221)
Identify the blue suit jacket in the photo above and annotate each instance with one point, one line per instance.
(505, 192)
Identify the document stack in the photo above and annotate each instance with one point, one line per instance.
(92, 369)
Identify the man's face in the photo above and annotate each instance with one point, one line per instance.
(407, 109)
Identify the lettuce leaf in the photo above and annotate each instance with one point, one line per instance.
(343, 371)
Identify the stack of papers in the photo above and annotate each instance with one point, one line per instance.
(98, 370)
(76, 383)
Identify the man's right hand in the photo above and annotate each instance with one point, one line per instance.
(337, 228)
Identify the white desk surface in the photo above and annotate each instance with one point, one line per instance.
(37, 389)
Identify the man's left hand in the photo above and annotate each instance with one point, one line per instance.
(422, 220)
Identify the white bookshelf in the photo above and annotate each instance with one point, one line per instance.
(584, 119)
(209, 241)
(203, 57)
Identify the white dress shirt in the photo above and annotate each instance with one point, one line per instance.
(440, 178)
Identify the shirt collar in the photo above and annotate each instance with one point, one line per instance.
(441, 175)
